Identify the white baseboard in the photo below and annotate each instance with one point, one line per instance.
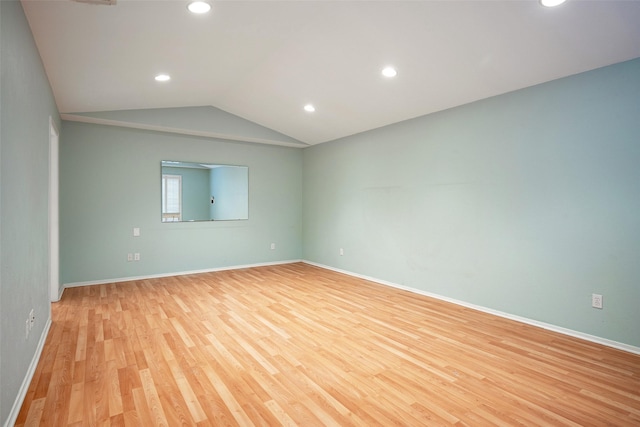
(179, 273)
(13, 415)
(565, 331)
(60, 291)
(22, 393)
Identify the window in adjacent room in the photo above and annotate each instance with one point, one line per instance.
(171, 198)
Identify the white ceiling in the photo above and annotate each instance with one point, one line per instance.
(264, 60)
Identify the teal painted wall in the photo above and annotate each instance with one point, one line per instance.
(25, 106)
(110, 183)
(525, 203)
(229, 186)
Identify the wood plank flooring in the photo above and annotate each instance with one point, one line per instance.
(298, 345)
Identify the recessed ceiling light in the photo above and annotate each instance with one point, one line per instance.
(551, 3)
(163, 78)
(389, 72)
(309, 108)
(199, 7)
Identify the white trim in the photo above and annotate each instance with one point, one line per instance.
(22, 393)
(548, 326)
(54, 211)
(13, 415)
(180, 273)
(181, 131)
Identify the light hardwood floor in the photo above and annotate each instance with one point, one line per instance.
(299, 345)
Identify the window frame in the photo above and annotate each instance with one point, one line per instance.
(171, 216)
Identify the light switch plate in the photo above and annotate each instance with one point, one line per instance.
(136, 232)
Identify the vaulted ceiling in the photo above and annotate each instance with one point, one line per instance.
(264, 60)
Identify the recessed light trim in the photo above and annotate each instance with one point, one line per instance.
(199, 7)
(389, 72)
(309, 108)
(551, 3)
(162, 77)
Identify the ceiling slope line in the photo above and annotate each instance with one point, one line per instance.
(174, 130)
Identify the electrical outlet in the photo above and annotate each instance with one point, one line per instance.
(341, 251)
(273, 246)
(136, 232)
(32, 319)
(136, 256)
(596, 301)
